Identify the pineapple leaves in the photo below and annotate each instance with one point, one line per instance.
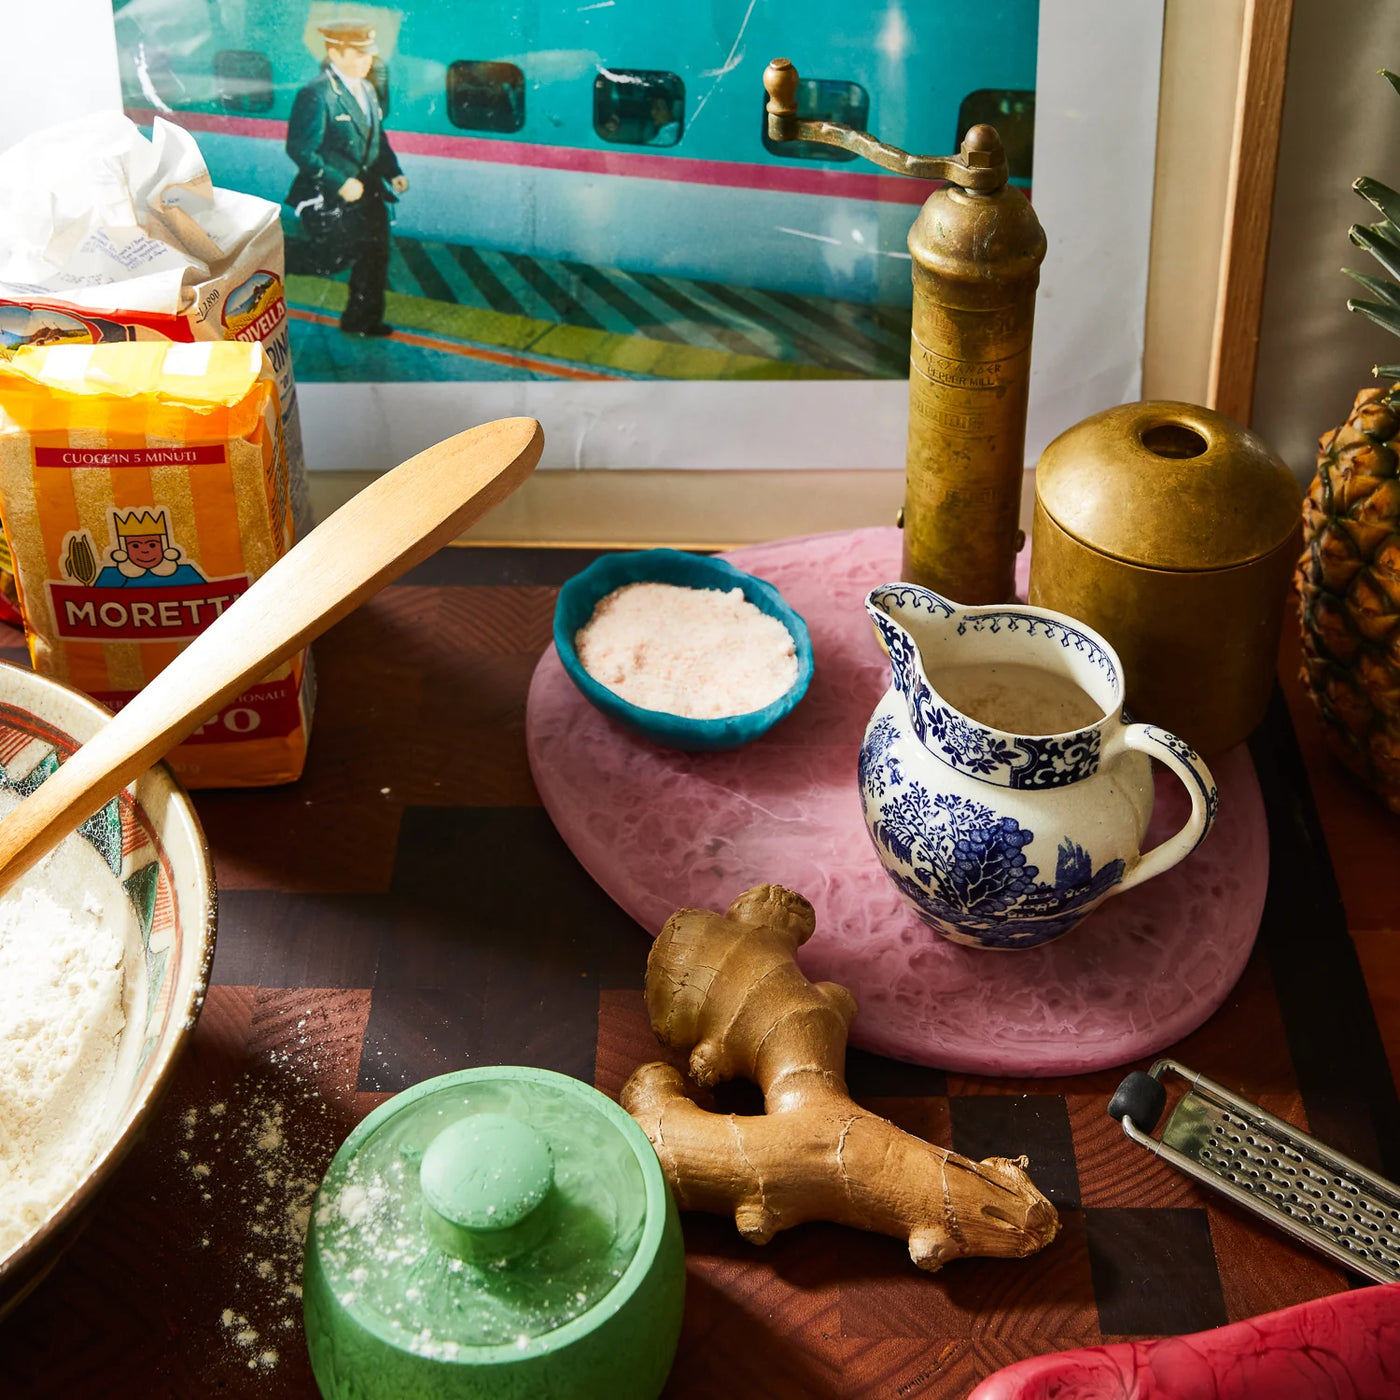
(1388, 292)
(1383, 197)
(1376, 241)
(1388, 317)
(1382, 241)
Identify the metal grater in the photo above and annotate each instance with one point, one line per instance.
(1233, 1146)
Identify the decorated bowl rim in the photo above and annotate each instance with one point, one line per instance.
(167, 1052)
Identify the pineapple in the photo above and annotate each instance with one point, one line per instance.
(1348, 578)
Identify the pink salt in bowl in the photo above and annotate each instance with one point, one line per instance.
(582, 593)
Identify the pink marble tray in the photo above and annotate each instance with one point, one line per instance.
(660, 830)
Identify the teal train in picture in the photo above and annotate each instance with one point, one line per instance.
(591, 189)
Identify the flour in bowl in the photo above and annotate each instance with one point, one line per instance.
(701, 653)
(61, 1019)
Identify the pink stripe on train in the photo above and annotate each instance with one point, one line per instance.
(814, 179)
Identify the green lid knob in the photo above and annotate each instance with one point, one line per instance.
(487, 1172)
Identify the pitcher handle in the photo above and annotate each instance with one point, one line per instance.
(1186, 763)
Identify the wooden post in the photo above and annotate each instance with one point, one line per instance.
(1249, 207)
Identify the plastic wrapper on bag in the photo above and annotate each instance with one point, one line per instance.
(143, 489)
(106, 236)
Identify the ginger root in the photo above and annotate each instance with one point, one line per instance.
(728, 990)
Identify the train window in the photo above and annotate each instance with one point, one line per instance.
(822, 100)
(243, 80)
(485, 96)
(1012, 112)
(638, 106)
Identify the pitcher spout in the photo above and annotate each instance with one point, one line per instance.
(905, 617)
(909, 601)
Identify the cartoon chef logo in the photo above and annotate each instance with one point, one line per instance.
(144, 556)
(140, 589)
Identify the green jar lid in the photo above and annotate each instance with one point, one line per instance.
(478, 1220)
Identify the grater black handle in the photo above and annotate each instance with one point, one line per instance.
(1141, 1098)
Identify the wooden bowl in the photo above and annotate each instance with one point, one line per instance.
(149, 841)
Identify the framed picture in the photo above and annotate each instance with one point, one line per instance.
(594, 230)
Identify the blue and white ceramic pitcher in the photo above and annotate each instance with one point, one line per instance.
(1005, 821)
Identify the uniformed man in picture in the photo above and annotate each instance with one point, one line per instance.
(347, 175)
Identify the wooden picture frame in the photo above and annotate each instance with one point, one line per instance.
(1250, 198)
(1221, 94)
(1224, 64)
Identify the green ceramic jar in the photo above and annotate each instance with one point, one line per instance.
(498, 1232)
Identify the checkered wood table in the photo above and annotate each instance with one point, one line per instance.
(407, 909)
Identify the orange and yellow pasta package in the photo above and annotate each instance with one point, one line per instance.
(143, 487)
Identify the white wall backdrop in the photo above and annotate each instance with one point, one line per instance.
(61, 62)
(1340, 120)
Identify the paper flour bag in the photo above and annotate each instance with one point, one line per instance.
(143, 489)
(107, 236)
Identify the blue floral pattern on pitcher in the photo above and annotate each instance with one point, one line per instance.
(975, 858)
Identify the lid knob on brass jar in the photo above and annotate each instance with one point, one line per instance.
(1172, 530)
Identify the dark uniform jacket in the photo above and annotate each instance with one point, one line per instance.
(331, 140)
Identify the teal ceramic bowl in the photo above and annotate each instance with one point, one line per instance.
(581, 594)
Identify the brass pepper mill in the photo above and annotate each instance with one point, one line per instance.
(977, 247)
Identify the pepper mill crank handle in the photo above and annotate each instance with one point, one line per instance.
(979, 166)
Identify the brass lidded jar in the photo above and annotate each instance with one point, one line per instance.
(1173, 531)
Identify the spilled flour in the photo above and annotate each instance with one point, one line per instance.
(61, 1019)
(246, 1147)
(247, 1168)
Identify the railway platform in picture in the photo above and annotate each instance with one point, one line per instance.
(460, 312)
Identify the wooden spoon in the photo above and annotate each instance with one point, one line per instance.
(394, 523)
